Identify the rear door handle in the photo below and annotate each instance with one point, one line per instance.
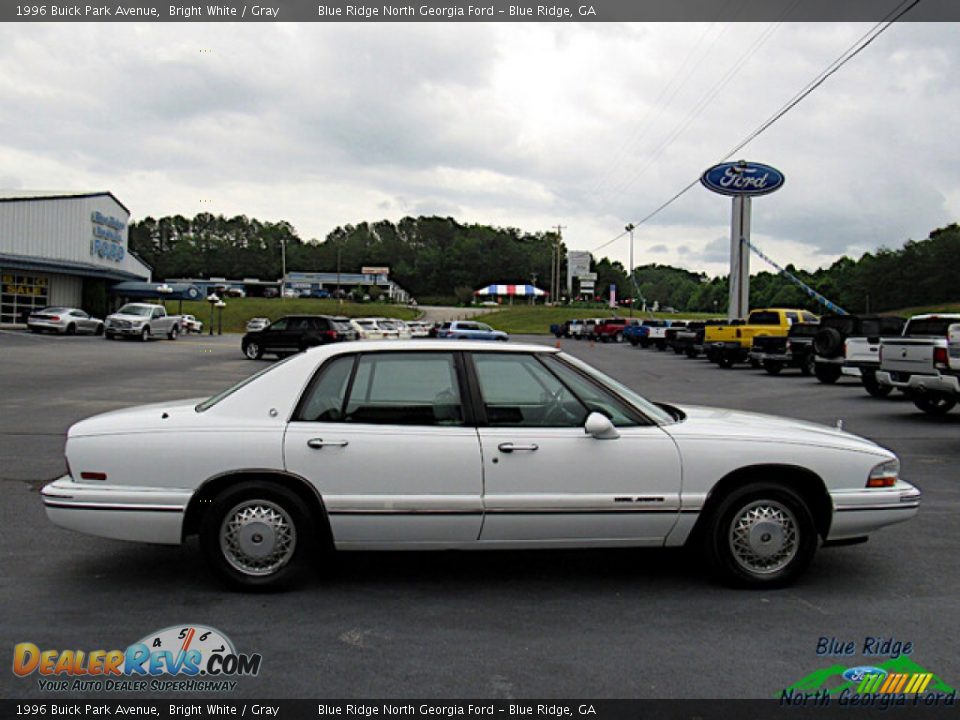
(318, 443)
(510, 447)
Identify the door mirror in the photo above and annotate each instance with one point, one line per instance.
(600, 427)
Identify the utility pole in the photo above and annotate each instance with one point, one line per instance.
(556, 275)
(283, 264)
(633, 296)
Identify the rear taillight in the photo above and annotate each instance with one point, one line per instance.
(332, 334)
(54, 318)
(941, 359)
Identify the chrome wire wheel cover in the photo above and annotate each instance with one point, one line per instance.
(258, 537)
(764, 537)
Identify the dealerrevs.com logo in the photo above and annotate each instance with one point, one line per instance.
(181, 658)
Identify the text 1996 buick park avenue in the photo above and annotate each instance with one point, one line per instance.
(457, 445)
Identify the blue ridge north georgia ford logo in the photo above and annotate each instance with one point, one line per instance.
(742, 178)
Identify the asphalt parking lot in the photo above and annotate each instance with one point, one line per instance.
(591, 624)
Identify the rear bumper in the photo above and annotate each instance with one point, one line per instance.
(949, 384)
(141, 514)
(859, 512)
(773, 357)
(45, 325)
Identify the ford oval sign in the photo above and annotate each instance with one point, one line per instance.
(742, 178)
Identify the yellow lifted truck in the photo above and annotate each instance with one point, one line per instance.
(726, 345)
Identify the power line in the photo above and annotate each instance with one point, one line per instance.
(861, 43)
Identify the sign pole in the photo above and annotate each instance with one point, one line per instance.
(738, 305)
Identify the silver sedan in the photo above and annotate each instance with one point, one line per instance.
(66, 321)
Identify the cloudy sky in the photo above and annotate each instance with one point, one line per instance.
(525, 125)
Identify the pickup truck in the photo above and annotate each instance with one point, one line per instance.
(676, 327)
(647, 333)
(925, 362)
(612, 329)
(587, 328)
(143, 321)
(795, 350)
(850, 345)
(727, 345)
(561, 330)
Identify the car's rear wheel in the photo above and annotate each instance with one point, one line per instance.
(827, 373)
(933, 403)
(761, 535)
(253, 532)
(691, 353)
(807, 367)
(618, 338)
(873, 387)
(253, 351)
(174, 331)
(772, 367)
(99, 330)
(71, 329)
(725, 361)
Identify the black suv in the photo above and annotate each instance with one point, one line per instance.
(295, 333)
(794, 350)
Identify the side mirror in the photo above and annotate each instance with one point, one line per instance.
(599, 426)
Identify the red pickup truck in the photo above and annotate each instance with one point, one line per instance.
(612, 329)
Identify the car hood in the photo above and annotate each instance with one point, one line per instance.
(707, 422)
(136, 419)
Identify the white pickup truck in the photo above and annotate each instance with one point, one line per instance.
(143, 321)
(925, 362)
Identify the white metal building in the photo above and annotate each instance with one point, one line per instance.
(62, 248)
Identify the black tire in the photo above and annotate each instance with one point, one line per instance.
(107, 336)
(174, 331)
(644, 344)
(266, 517)
(807, 366)
(874, 388)
(145, 334)
(99, 330)
(252, 350)
(828, 343)
(618, 338)
(755, 364)
(692, 354)
(35, 331)
(933, 403)
(772, 367)
(827, 373)
(748, 559)
(661, 346)
(634, 341)
(724, 360)
(71, 329)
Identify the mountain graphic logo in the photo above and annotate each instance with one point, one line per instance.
(897, 675)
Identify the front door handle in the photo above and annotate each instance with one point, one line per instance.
(510, 447)
(318, 443)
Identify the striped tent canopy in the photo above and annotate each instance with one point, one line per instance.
(525, 290)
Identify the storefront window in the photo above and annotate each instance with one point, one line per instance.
(20, 295)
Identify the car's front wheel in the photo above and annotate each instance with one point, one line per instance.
(145, 334)
(873, 387)
(253, 351)
(760, 535)
(253, 532)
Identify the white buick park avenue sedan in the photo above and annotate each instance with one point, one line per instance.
(439, 444)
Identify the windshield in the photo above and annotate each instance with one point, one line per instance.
(210, 402)
(141, 310)
(655, 413)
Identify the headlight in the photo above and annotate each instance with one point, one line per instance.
(884, 475)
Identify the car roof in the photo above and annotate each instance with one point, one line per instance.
(416, 345)
(937, 316)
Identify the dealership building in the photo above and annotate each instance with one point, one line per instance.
(63, 249)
